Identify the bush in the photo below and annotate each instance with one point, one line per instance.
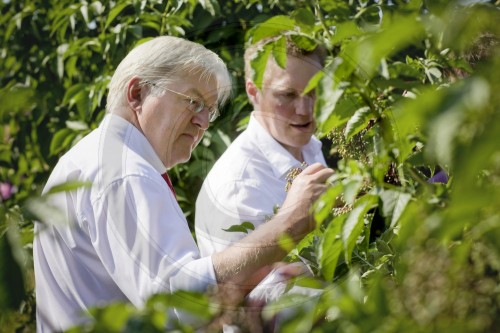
(408, 91)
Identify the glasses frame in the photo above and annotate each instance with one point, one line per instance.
(195, 105)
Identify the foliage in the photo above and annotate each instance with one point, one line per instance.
(392, 252)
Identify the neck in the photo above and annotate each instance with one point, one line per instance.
(296, 152)
(129, 116)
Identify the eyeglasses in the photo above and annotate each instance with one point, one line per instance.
(195, 105)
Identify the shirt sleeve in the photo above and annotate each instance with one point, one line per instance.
(144, 242)
(232, 204)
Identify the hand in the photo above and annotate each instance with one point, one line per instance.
(305, 190)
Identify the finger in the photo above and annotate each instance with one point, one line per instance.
(313, 168)
(323, 174)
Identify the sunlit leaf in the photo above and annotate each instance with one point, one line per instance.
(259, 64)
(279, 52)
(272, 27)
(358, 122)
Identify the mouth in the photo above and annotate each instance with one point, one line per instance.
(302, 126)
(193, 137)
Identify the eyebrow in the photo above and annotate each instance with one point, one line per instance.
(197, 94)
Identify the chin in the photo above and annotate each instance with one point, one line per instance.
(179, 159)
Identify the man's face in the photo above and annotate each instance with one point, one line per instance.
(280, 106)
(168, 124)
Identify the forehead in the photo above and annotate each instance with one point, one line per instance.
(295, 75)
(195, 84)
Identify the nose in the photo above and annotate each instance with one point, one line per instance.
(201, 119)
(304, 105)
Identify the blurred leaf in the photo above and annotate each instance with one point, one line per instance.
(243, 227)
(304, 18)
(393, 204)
(330, 247)
(16, 99)
(12, 290)
(195, 303)
(67, 186)
(115, 12)
(285, 302)
(111, 318)
(323, 207)
(313, 82)
(76, 125)
(345, 30)
(354, 223)
(211, 6)
(60, 140)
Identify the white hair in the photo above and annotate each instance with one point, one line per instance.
(161, 61)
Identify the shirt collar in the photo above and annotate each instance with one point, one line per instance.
(134, 139)
(280, 159)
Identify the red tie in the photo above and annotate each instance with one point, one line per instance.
(169, 183)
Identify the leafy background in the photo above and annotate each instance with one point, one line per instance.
(403, 95)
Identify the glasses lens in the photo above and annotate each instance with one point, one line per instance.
(200, 106)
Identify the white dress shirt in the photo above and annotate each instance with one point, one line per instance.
(126, 236)
(245, 184)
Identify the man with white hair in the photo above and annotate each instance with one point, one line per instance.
(126, 236)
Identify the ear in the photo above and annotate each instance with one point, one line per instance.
(134, 94)
(253, 92)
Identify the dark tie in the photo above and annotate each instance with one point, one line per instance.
(169, 183)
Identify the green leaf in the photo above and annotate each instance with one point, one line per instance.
(323, 207)
(304, 18)
(352, 186)
(68, 186)
(285, 302)
(259, 64)
(345, 30)
(393, 204)
(113, 317)
(333, 108)
(72, 93)
(313, 82)
(398, 32)
(195, 303)
(115, 12)
(56, 145)
(211, 6)
(76, 125)
(358, 122)
(12, 290)
(304, 43)
(400, 69)
(272, 27)
(279, 51)
(16, 99)
(244, 227)
(354, 223)
(330, 247)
